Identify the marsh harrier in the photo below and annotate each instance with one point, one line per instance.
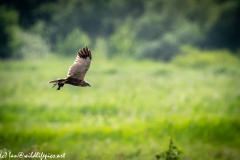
(77, 71)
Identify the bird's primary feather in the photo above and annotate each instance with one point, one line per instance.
(81, 64)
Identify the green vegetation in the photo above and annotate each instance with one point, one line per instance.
(154, 29)
(8, 25)
(171, 154)
(130, 111)
(160, 69)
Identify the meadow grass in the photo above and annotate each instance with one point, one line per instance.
(131, 110)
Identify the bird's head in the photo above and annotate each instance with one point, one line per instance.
(86, 84)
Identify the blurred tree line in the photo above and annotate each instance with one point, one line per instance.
(136, 28)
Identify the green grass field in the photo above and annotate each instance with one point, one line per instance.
(129, 113)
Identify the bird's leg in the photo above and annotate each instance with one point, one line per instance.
(60, 83)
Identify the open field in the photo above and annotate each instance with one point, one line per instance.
(130, 111)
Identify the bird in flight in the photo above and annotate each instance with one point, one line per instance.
(77, 71)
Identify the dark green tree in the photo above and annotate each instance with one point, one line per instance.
(8, 24)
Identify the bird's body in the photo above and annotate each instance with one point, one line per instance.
(77, 71)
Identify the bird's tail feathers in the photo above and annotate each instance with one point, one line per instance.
(57, 80)
(60, 82)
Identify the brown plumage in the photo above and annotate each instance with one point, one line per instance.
(77, 71)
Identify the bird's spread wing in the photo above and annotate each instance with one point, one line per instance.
(81, 64)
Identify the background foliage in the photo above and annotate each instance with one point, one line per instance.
(157, 28)
(160, 69)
